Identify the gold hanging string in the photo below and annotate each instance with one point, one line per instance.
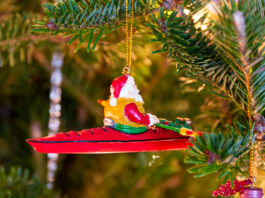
(249, 113)
(251, 162)
(129, 37)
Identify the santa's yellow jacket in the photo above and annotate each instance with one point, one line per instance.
(117, 113)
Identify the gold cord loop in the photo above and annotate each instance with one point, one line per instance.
(126, 70)
(129, 35)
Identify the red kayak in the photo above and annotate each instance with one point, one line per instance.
(109, 140)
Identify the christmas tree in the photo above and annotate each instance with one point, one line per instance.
(191, 58)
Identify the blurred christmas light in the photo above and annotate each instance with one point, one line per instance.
(155, 159)
(203, 17)
(186, 11)
(55, 112)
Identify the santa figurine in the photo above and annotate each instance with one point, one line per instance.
(127, 128)
(124, 110)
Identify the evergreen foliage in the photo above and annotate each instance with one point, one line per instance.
(18, 183)
(228, 57)
(221, 57)
(220, 152)
(88, 21)
(15, 36)
(17, 41)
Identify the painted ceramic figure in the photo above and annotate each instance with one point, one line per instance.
(127, 128)
(124, 110)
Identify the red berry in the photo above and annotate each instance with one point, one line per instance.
(215, 193)
(226, 189)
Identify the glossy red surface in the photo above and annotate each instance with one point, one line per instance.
(134, 115)
(108, 140)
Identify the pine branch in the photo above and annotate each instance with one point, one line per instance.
(17, 39)
(89, 21)
(220, 153)
(224, 58)
(243, 47)
(220, 58)
(197, 54)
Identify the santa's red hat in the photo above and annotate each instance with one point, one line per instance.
(118, 83)
(122, 87)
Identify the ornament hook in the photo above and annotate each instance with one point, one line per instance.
(252, 178)
(126, 70)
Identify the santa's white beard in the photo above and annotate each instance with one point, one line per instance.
(113, 101)
(128, 91)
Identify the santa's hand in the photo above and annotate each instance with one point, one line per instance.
(153, 119)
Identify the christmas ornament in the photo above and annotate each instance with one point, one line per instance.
(226, 190)
(251, 192)
(127, 128)
(239, 186)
